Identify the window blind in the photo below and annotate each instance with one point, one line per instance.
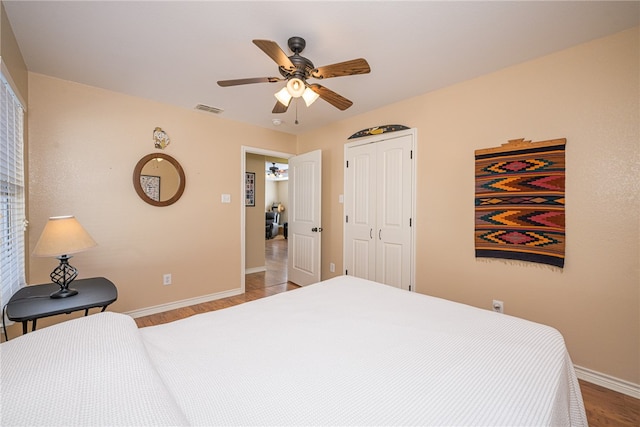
(12, 197)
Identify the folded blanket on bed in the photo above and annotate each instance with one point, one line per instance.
(85, 372)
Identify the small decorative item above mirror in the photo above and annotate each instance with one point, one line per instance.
(159, 179)
(160, 138)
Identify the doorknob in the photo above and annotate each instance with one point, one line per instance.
(317, 229)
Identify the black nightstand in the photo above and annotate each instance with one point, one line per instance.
(33, 302)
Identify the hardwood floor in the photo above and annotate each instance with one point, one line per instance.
(604, 407)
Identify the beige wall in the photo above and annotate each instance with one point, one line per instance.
(85, 143)
(254, 217)
(11, 56)
(282, 191)
(588, 94)
(271, 194)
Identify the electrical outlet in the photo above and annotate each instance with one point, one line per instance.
(498, 306)
(166, 279)
(332, 267)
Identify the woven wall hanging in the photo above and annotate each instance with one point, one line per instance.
(520, 202)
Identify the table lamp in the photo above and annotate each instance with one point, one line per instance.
(63, 235)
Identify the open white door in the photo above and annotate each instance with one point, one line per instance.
(305, 226)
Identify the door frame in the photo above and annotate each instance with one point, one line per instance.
(244, 150)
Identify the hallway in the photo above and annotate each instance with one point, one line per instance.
(276, 251)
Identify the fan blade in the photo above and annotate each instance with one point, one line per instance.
(236, 82)
(340, 102)
(272, 49)
(279, 108)
(347, 68)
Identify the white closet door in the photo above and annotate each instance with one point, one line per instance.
(394, 210)
(378, 204)
(360, 211)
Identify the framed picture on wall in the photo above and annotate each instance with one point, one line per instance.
(250, 189)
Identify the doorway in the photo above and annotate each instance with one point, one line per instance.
(276, 195)
(263, 255)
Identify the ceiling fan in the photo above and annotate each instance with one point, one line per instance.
(274, 170)
(296, 70)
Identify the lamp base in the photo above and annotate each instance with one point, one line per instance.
(63, 293)
(63, 275)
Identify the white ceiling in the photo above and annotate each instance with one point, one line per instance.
(175, 51)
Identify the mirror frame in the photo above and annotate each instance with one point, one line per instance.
(136, 179)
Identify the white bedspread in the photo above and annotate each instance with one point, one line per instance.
(342, 352)
(353, 352)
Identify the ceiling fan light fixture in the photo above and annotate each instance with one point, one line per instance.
(296, 87)
(283, 96)
(309, 96)
(296, 70)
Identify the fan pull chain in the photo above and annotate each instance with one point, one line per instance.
(296, 111)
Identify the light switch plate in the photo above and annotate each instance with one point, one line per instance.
(226, 198)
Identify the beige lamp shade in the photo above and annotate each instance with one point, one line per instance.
(63, 235)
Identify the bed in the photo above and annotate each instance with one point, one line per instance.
(344, 351)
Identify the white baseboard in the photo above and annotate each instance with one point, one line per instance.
(607, 381)
(182, 303)
(255, 269)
